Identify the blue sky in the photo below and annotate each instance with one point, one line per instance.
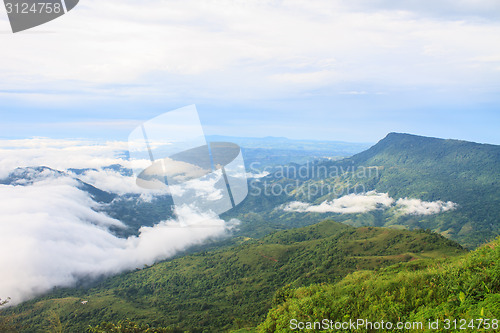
(326, 70)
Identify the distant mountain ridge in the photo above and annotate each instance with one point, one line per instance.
(407, 166)
(260, 153)
(466, 173)
(270, 142)
(233, 285)
(128, 208)
(29, 175)
(219, 290)
(403, 166)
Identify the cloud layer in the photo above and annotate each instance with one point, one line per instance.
(419, 207)
(192, 48)
(54, 233)
(382, 65)
(352, 203)
(366, 202)
(59, 154)
(51, 236)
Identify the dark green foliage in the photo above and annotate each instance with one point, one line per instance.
(5, 322)
(135, 213)
(232, 288)
(127, 326)
(432, 169)
(465, 287)
(401, 165)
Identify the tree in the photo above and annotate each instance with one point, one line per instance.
(128, 326)
(5, 324)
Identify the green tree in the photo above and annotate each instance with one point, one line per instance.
(5, 324)
(128, 326)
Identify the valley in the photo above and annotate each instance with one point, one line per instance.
(407, 210)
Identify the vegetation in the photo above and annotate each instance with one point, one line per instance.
(309, 271)
(5, 322)
(128, 326)
(401, 165)
(464, 288)
(230, 288)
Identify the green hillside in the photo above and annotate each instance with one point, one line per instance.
(402, 165)
(465, 288)
(340, 270)
(229, 288)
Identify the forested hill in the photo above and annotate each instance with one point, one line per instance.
(230, 288)
(451, 167)
(465, 289)
(405, 167)
(407, 148)
(433, 169)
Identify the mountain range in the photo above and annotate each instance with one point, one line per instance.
(424, 172)
(406, 210)
(233, 286)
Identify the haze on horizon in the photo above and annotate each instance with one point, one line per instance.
(326, 70)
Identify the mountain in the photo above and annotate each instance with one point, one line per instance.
(29, 175)
(465, 288)
(455, 183)
(129, 208)
(340, 148)
(260, 153)
(231, 287)
(408, 184)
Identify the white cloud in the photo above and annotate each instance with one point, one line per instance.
(52, 236)
(114, 182)
(256, 175)
(365, 202)
(204, 48)
(348, 204)
(63, 155)
(419, 207)
(59, 154)
(53, 233)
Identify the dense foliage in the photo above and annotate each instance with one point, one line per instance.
(230, 288)
(402, 165)
(128, 326)
(5, 322)
(326, 270)
(464, 288)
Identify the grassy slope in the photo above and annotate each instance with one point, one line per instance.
(465, 287)
(230, 288)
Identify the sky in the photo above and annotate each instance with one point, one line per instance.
(325, 70)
